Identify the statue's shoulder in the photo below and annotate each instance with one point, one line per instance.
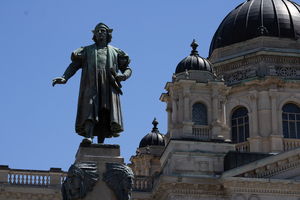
(92, 46)
(113, 48)
(117, 50)
(81, 52)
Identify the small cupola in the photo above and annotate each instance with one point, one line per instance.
(194, 67)
(194, 62)
(155, 138)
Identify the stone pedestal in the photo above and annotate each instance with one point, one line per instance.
(101, 154)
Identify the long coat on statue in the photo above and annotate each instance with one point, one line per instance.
(97, 89)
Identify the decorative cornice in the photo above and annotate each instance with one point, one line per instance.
(166, 189)
(254, 59)
(240, 89)
(250, 186)
(277, 170)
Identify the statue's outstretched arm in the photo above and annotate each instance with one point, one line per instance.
(70, 71)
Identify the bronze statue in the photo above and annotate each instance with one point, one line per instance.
(81, 178)
(99, 110)
(119, 178)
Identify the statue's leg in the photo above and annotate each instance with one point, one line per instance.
(89, 129)
(104, 127)
(101, 138)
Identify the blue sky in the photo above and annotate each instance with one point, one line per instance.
(37, 38)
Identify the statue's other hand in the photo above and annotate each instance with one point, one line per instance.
(120, 77)
(59, 80)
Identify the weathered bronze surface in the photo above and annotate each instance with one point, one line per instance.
(99, 110)
(81, 178)
(119, 178)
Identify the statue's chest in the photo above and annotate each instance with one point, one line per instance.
(101, 57)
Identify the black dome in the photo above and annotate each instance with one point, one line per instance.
(153, 138)
(254, 18)
(194, 62)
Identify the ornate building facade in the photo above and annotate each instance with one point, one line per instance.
(233, 119)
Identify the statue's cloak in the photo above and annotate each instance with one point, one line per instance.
(90, 88)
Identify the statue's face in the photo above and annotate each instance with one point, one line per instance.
(74, 182)
(100, 34)
(127, 184)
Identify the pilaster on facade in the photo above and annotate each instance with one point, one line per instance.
(273, 97)
(254, 97)
(175, 109)
(216, 124)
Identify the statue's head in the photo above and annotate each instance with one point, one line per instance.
(80, 179)
(119, 178)
(101, 27)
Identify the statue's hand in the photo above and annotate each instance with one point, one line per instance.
(59, 80)
(120, 77)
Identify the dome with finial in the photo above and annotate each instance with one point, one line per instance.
(153, 138)
(194, 62)
(254, 18)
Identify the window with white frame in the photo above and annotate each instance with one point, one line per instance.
(291, 121)
(199, 114)
(240, 125)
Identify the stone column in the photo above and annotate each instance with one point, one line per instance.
(180, 105)
(273, 97)
(254, 98)
(169, 111)
(225, 128)
(275, 138)
(147, 170)
(187, 123)
(138, 171)
(186, 96)
(254, 140)
(223, 103)
(216, 125)
(215, 108)
(174, 109)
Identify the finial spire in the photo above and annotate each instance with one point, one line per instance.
(194, 45)
(155, 122)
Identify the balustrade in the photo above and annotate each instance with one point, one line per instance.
(144, 183)
(243, 147)
(290, 143)
(32, 177)
(201, 132)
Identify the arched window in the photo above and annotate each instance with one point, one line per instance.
(240, 125)
(291, 121)
(199, 114)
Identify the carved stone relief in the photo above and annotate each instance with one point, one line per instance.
(202, 166)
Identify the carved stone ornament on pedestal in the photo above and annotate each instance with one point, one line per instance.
(81, 178)
(119, 178)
